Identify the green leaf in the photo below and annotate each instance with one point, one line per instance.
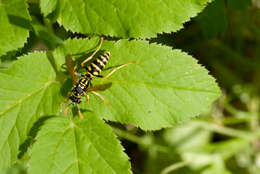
(199, 157)
(187, 136)
(48, 7)
(142, 18)
(28, 91)
(14, 24)
(165, 86)
(77, 146)
(217, 167)
(213, 19)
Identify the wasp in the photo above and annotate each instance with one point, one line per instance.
(82, 86)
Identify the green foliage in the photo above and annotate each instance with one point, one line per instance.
(123, 18)
(164, 87)
(48, 38)
(74, 146)
(26, 94)
(48, 7)
(180, 136)
(231, 132)
(37, 96)
(163, 82)
(14, 24)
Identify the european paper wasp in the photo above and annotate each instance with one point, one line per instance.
(82, 86)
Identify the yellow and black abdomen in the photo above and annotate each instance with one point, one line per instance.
(96, 66)
(79, 89)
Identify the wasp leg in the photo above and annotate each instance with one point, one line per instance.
(64, 101)
(115, 69)
(101, 97)
(92, 55)
(87, 96)
(80, 114)
(66, 109)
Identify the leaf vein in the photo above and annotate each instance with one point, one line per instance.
(25, 98)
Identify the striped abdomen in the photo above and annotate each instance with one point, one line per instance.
(79, 89)
(96, 66)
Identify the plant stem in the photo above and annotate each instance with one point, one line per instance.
(48, 25)
(225, 130)
(174, 167)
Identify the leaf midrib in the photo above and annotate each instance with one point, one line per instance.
(80, 129)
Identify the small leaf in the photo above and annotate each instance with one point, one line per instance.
(48, 7)
(142, 18)
(187, 136)
(77, 146)
(165, 86)
(217, 167)
(28, 91)
(14, 24)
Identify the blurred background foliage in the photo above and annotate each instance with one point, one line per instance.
(225, 38)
